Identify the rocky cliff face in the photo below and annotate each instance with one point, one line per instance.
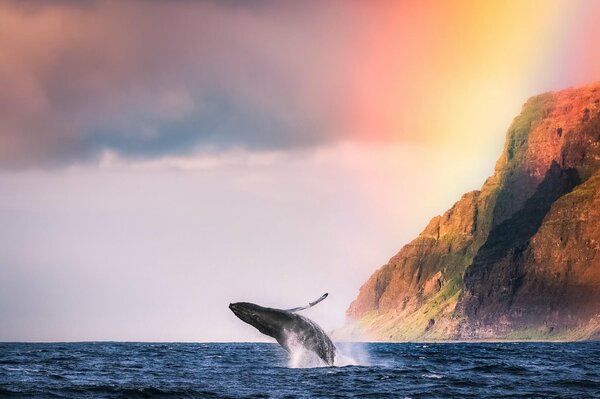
(519, 259)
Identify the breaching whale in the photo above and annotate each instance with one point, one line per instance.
(287, 327)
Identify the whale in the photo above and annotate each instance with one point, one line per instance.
(288, 328)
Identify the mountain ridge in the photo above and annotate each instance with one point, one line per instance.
(517, 259)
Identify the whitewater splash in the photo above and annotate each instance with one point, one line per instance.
(347, 354)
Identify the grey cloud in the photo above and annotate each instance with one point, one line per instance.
(156, 78)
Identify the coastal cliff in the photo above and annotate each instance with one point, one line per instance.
(518, 259)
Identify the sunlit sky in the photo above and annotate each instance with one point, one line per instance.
(160, 159)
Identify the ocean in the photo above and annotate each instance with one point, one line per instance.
(263, 370)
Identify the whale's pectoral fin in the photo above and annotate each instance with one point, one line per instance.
(310, 305)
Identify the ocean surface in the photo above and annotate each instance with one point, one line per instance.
(262, 370)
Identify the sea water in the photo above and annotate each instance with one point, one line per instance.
(263, 370)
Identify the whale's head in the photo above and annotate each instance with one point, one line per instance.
(268, 321)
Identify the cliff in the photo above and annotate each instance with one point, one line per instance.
(518, 259)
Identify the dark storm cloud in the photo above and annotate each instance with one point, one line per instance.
(155, 78)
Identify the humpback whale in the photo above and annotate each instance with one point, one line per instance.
(287, 327)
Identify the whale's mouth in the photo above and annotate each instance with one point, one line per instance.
(247, 314)
(237, 310)
(233, 308)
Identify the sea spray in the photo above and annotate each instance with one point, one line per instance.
(352, 354)
(347, 354)
(299, 356)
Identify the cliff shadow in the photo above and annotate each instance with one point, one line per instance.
(494, 276)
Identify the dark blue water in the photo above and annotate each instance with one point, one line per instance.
(144, 370)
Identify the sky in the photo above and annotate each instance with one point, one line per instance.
(161, 159)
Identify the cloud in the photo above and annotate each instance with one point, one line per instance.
(155, 78)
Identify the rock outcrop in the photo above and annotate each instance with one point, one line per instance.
(519, 259)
